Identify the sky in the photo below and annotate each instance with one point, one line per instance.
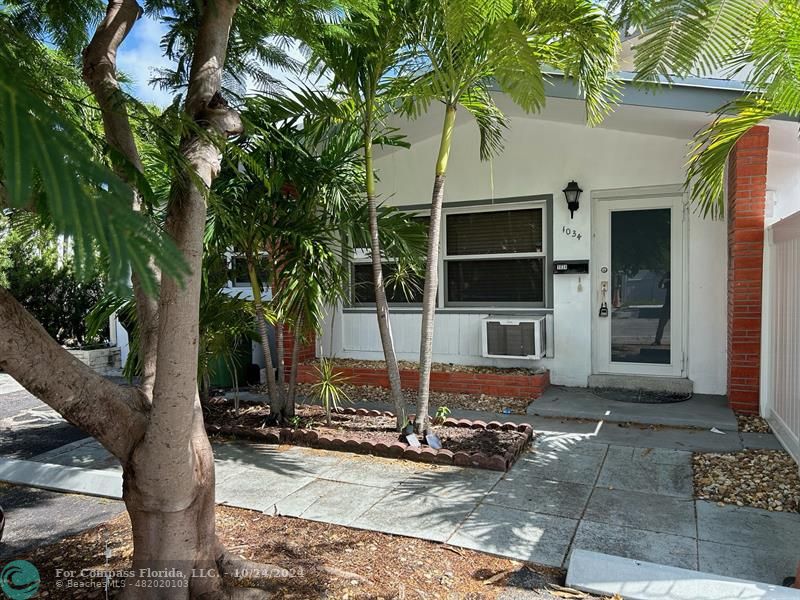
(140, 55)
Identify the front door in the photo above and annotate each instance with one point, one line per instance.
(638, 280)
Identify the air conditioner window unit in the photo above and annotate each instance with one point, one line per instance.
(521, 338)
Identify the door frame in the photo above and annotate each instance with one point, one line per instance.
(603, 202)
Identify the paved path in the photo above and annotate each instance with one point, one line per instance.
(594, 485)
(569, 492)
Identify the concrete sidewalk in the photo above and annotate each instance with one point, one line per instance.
(571, 491)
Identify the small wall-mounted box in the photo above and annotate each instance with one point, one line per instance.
(570, 267)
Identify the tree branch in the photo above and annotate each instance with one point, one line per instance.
(100, 74)
(112, 414)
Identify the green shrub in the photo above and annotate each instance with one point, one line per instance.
(40, 274)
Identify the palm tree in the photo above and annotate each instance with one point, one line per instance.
(294, 209)
(462, 48)
(699, 37)
(363, 56)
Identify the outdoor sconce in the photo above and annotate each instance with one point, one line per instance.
(572, 193)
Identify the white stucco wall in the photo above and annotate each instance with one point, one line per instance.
(540, 157)
(783, 183)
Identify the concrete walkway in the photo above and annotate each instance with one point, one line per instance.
(572, 491)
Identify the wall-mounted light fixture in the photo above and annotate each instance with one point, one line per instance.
(572, 193)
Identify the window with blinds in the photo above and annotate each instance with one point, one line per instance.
(409, 291)
(495, 258)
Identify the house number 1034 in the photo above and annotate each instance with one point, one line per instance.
(569, 232)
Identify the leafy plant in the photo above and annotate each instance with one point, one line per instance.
(42, 276)
(441, 414)
(703, 37)
(328, 389)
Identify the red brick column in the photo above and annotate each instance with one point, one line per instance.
(747, 191)
(307, 351)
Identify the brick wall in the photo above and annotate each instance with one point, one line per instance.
(747, 191)
(307, 351)
(495, 384)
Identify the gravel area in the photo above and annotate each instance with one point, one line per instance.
(752, 424)
(482, 402)
(767, 479)
(438, 367)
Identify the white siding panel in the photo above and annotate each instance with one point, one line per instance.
(781, 372)
(457, 339)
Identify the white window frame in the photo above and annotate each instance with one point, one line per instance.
(444, 257)
(230, 255)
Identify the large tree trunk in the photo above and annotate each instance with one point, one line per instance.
(99, 73)
(168, 468)
(432, 274)
(169, 479)
(381, 303)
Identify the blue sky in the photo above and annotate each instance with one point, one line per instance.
(140, 55)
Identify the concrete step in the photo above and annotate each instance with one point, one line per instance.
(598, 573)
(91, 482)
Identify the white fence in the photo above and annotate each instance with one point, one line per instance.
(780, 366)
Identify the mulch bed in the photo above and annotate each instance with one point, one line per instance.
(465, 443)
(325, 561)
(753, 424)
(767, 479)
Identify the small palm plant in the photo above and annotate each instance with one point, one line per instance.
(329, 387)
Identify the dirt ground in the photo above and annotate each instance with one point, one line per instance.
(323, 561)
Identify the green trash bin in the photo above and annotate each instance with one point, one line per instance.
(220, 372)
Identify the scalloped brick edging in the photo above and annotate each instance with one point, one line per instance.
(529, 387)
(340, 442)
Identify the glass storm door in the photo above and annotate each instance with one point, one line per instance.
(638, 286)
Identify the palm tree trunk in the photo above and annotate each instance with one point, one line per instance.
(432, 273)
(275, 403)
(381, 303)
(293, 369)
(280, 331)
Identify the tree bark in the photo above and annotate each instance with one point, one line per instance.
(100, 75)
(381, 303)
(432, 274)
(113, 415)
(169, 475)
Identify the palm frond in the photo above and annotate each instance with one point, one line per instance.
(711, 147)
(516, 67)
(48, 167)
(490, 119)
(685, 37)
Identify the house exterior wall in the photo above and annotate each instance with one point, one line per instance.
(540, 157)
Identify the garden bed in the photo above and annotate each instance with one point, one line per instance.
(492, 445)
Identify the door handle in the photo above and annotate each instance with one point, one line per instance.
(603, 304)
